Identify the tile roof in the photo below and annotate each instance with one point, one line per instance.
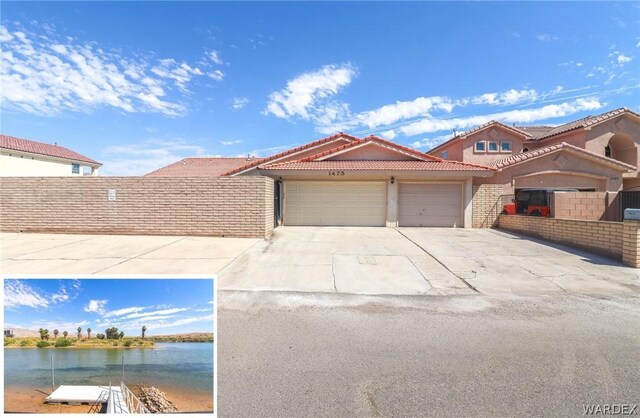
(40, 148)
(539, 152)
(199, 167)
(535, 131)
(380, 165)
(290, 151)
(585, 122)
(515, 129)
(373, 139)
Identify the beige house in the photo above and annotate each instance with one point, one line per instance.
(347, 181)
(24, 158)
(598, 153)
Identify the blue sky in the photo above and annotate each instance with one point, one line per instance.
(140, 85)
(164, 306)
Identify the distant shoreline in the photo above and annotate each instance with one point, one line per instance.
(123, 343)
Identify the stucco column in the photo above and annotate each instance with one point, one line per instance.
(468, 203)
(631, 243)
(392, 203)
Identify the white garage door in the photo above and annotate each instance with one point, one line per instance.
(335, 203)
(423, 204)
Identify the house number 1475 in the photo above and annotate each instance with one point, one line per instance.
(336, 173)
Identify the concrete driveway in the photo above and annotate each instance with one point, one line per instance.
(418, 261)
(116, 254)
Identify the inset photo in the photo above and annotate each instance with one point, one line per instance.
(125, 345)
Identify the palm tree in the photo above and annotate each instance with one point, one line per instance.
(79, 332)
(55, 333)
(121, 334)
(144, 329)
(41, 331)
(89, 333)
(46, 334)
(65, 334)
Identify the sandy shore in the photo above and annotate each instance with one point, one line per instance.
(20, 399)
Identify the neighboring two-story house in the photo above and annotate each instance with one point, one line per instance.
(598, 153)
(24, 158)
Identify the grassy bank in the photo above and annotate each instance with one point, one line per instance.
(194, 337)
(33, 342)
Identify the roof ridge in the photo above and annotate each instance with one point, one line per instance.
(290, 151)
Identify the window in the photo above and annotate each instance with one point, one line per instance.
(493, 146)
(525, 149)
(75, 168)
(505, 146)
(607, 151)
(444, 155)
(479, 146)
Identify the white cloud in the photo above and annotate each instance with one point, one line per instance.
(18, 293)
(97, 306)
(216, 75)
(429, 125)
(306, 95)
(143, 157)
(51, 74)
(623, 59)
(546, 37)
(389, 114)
(123, 311)
(239, 102)
(390, 134)
(161, 312)
(508, 97)
(429, 143)
(214, 56)
(228, 143)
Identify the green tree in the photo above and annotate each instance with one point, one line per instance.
(79, 332)
(89, 333)
(41, 331)
(65, 334)
(144, 329)
(55, 333)
(46, 334)
(121, 335)
(42, 344)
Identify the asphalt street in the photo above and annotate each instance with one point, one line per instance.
(295, 354)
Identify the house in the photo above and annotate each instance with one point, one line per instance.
(25, 158)
(200, 167)
(8, 333)
(343, 180)
(598, 153)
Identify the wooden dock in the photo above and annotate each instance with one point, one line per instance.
(119, 399)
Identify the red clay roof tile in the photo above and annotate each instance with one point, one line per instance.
(40, 148)
(199, 167)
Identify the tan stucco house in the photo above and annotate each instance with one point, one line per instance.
(25, 158)
(596, 153)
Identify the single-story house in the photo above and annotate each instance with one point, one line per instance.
(24, 158)
(343, 180)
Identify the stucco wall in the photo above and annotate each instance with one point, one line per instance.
(238, 207)
(23, 165)
(495, 135)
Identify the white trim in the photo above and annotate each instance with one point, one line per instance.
(475, 147)
(571, 173)
(489, 150)
(33, 155)
(509, 151)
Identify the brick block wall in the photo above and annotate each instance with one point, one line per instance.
(588, 206)
(487, 204)
(596, 236)
(237, 206)
(631, 243)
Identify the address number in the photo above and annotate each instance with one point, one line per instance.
(336, 173)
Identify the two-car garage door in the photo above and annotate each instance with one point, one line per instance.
(364, 203)
(335, 203)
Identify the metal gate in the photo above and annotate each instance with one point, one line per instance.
(628, 200)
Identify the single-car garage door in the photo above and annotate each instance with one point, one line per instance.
(425, 204)
(335, 203)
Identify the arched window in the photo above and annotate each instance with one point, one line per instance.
(607, 151)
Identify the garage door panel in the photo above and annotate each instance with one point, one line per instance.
(425, 204)
(335, 203)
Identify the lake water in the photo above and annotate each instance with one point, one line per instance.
(187, 366)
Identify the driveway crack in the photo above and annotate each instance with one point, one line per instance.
(440, 262)
(140, 255)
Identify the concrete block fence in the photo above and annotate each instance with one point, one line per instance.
(238, 207)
